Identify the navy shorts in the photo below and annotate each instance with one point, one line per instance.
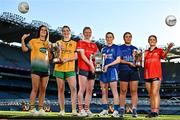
(88, 74)
(129, 75)
(152, 80)
(110, 76)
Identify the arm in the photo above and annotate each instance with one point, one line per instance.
(24, 47)
(170, 45)
(117, 61)
(85, 59)
(128, 63)
(70, 59)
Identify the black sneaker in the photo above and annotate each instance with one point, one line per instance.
(150, 115)
(134, 113)
(121, 112)
(155, 114)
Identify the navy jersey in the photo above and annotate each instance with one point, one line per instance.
(111, 53)
(127, 55)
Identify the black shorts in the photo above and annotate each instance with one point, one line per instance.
(41, 74)
(88, 74)
(152, 80)
(129, 75)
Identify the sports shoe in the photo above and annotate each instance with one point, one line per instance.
(34, 112)
(41, 112)
(103, 113)
(134, 113)
(115, 114)
(74, 113)
(89, 113)
(61, 113)
(121, 112)
(82, 113)
(152, 114)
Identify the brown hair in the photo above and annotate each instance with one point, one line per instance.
(126, 34)
(152, 36)
(110, 33)
(86, 28)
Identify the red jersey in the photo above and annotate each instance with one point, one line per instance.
(89, 48)
(152, 63)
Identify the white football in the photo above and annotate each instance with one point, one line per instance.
(23, 7)
(170, 20)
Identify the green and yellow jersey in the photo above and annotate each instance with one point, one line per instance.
(39, 55)
(68, 51)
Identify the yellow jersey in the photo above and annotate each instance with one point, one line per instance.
(67, 51)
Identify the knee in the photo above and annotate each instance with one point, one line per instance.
(35, 89)
(123, 91)
(133, 92)
(155, 93)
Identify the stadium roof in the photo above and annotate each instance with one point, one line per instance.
(12, 27)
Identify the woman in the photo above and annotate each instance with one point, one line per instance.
(65, 70)
(39, 66)
(110, 75)
(85, 49)
(128, 73)
(153, 73)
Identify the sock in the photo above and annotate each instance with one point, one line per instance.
(116, 107)
(105, 106)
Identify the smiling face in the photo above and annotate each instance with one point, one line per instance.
(127, 38)
(152, 40)
(109, 38)
(66, 32)
(87, 33)
(43, 31)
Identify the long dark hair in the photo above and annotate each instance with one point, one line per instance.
(39, 29)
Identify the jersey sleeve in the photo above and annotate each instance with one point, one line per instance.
(79, 45)
(163, 55)
(118, 52)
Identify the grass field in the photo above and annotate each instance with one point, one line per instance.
(54, 115)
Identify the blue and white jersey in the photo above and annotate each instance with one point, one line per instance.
(127, 55)
(111, 53)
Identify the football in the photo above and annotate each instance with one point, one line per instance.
(170, 20)
(23, 7)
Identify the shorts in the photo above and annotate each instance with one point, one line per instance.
(129, 75)
(63, 75)
(152, 80)
(41, 74)
(88, 74)
(110, 76)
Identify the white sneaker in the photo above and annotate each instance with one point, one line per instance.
(61, 113)
(42, 112)
(115, 114)
(103, 113)
(34, 112)
(89, 113)
(82, 113)
(74, 113)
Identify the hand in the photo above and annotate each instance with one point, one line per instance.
(92, 68)
(25, 36)
(131, 64)
(65, 60)
(170, 45)
(105, 68)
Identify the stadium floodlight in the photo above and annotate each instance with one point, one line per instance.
(37, 23)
